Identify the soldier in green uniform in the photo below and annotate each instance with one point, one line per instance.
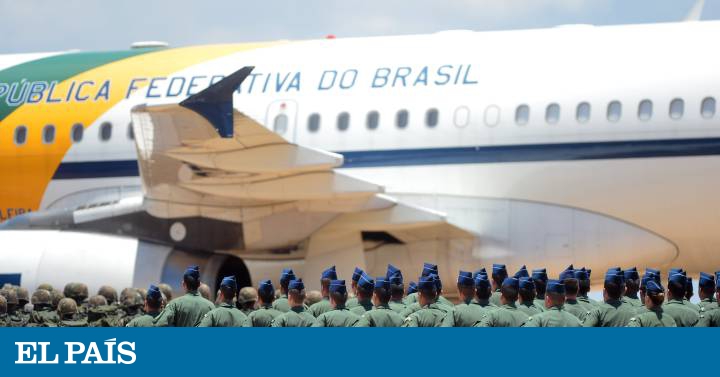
(613, 312)
(554, 315)
(364, 290)
(572, 287)
(411, 291)
(227, 314)
(632, 287)
(507, 314)
(43, 312)
(109, 293)
(499, 274)
(352, 296)
(298, 315)
(381, 314)
(339, 316)
(23, 300)
(187, 310)
(15, 316)
(166, 291)
(431, 314)
(712, 317)
(265, 314)
(79, 293)
(324, 305)
(706, 293)
(153, 305)
(526, 293)
(397, 292)
(468, 311)
(654, 315)
(583, 280)
(675, 307)
(281, 304)
(98, 310)
(540, 278)
(131, 307)
(247, 300)
(650, 274)
(68, 313)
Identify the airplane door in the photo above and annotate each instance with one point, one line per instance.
(282, 118)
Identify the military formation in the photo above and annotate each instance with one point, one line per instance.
(497, 299)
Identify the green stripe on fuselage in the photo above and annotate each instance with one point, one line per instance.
(57, 68)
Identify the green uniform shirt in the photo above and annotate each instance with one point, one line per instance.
(540, 303)
(690, 305)
(185, 311)
(415, 306)
(707, 305)
(555, 316)
(380, 316)
(397, 306)
(225, 315)
(612, 313)
(296, 317)
(145, 320)
(495, 298)
(318, 308)
(4, 320)
(633, 301)
(445, 301)
(362, 307)
(588, 302)
(507, 315)
(684, 316)
(652, 318)
(281, 304)
(338, 317)
(17, 319)
(428, 316)
(262, 317)
(576, 308)
(709, 319)
(44, 315)
(351, 302)
(529, 308)
(411, 298)
(466, 314)
(80, 322)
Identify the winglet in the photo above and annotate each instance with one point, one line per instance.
(696, 11)
(215, 103)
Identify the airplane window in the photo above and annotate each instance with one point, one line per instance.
(677, 108)
(552, 113)
(431, 118)
(645, 109)
(582, 114)
(707, 109)
(343, 121)
(130, 132)
(492, 116)
(522, 115)
(105, 131)
(20, 135)
(614, 111)
(49, 134)
(76, 133)
(280, 125)
(373, 120)
(314, 122)
(461, 117)
(401, 120)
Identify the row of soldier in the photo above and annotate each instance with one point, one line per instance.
(485, 300)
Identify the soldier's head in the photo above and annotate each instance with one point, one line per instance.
(397, 288)
(286, 277)
(97, 300)
(614, 285)
(23, 296)
(381, 291)
(142, 292)
(3, 305)
(132, 299)
(266, 292)
(499, 273)
(191, 279)
(554, 294)
(654, 294)
(427, 290)
(483, 288)
(689, 289)
(11, 298)
(338, 293)
(526, 290)
(41, 298)
(247, 297)
(153, 299)
(571, 288)
(509, 290)
(46, 287)
(326, 277)
(56, 297)
(412, 288)
(365, 287)
(706, 286)
(109, 293)
(204, 291)
(676, 286)
(357, 273)
(296, 293)
(632, 281)
(166, 290)
(466, 285)
(228, 289)
(313, 297)
(539, 278)
(76, 291)
(67, 308)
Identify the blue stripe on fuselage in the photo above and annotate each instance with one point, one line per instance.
(460, 155)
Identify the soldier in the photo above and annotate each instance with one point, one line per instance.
(654, 315)
(711, 318)
(4, 320)
(45, 286)
(109, 293)
(339, 315)
(43, 313)
(684, 316)
(265, 314)
(227, 314)
(632, 286)
(381, 314)
(614, 312)
(79, 293)
(352, 300)
(441, 299)
(706, 292)
(312, 297)
(583, 277)
(430, 314)
(650, 274)
(98, 310)
(153, 305)
(187, 310)
(468, 311)
(131, 307)
(247, 300)
(540, 278)
(572, 287)
(167, 291)
(411, 290)
(23, 298)
(428, 268)
(554, 315)
(507, 314)
(298, 315)
(499, 274)
(14, 314)
(56, 297)
(204, 291)
(364, 290)
(281, 304)
(68, 313)
(526, 292)
(324, 305)
(397, 291)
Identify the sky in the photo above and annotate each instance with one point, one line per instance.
(46, 25)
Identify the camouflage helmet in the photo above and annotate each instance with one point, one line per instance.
(126, 292)
(7, 286)
(3, 305)
(56, 297)
(97, 300)
(313, 297)
(46, 287)
(142, 291)
(247, 294)
(132, 299)
(204, 291)
(23, 295)
(10, 295)
(76, 291)
(41, 297)
(166, 290)
(109, 293)
(67, 306)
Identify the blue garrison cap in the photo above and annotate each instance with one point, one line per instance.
(366, 282)
(392, 270)
(412, 287)
(499, 270)
(482, 281)
(296, 284)
(329, 273)
(589, 272)
(648, 276)
(153, 293)
(678, 278)
(479, 272)
(438, 282)
(568, 273)
(429, 268)
(286, 276)
(426, 283)
(396, 278)
(511, 282)
(615, 277)
(338, 286)
(521, 273)
(581, 274)
(382, 282)
(526, 283)
(555, 286)
(193, 272)
(631, 273)
(266, 287)
(229, 281)
(654, 287)
(465, 279)
(675, 271)
(356, 274)
(614, 270)
(706, 281)
(539, 274)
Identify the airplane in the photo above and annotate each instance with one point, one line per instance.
(573, 144)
